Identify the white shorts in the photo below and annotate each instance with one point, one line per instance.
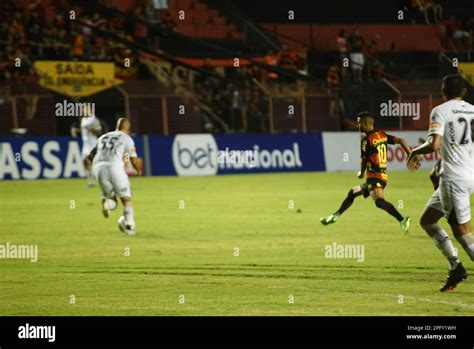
(113, 181)
(453, 199)
(357, 60)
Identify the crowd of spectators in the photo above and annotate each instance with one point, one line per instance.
(28, 34)
(456, 34)
(431, 11)
(235, 98)
(357, 59)
(31, 33)
(239, 98)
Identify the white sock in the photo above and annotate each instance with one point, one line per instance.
(128, 214)
(467, 243)
(443, 242)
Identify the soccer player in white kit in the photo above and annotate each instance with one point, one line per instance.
(90, 129)
(108, 157)
(452, 131)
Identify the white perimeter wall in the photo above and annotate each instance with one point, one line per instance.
(342, 151)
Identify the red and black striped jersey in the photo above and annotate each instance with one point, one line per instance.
(373, 150)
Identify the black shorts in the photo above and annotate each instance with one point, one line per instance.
(371, 184)
(437, 169)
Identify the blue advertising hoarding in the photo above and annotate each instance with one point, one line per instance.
(44, 157)
(206, 154)
(183, 155)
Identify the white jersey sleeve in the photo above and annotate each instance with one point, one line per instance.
(454, 121)
(437, 123)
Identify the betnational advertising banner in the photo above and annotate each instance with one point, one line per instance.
(207, 154)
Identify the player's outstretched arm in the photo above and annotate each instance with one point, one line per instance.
(403, 143)
(432, 144)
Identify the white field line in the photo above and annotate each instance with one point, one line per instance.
(417, 299)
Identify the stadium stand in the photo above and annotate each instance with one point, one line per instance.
(184, 53)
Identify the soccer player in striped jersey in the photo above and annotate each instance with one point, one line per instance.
(374, 163)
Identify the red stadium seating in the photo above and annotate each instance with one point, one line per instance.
(205, 30)
(405, 37)
(182, 4)
(201, 17)
(219, 20)
(200, 6)
(200, 21)
(188, 16)
(187, 29)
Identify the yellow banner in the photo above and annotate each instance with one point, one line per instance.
(76, 79)
(466, 70)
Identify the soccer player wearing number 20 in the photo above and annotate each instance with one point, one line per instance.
(108, 164)
(374, 161)
(452, 131)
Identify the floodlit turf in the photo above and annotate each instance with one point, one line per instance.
(281, 268)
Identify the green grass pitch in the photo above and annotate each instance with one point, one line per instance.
(184, 262)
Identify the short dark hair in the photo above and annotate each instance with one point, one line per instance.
(453, 85)
(365, 114)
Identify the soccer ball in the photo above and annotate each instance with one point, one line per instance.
(110, 204)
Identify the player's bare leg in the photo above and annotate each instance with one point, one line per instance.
(377, 195)
(429, 222)
(89, 173)
(106, 208)
(348, 201)
(127, 221)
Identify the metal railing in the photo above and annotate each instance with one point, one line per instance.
(282, 108)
